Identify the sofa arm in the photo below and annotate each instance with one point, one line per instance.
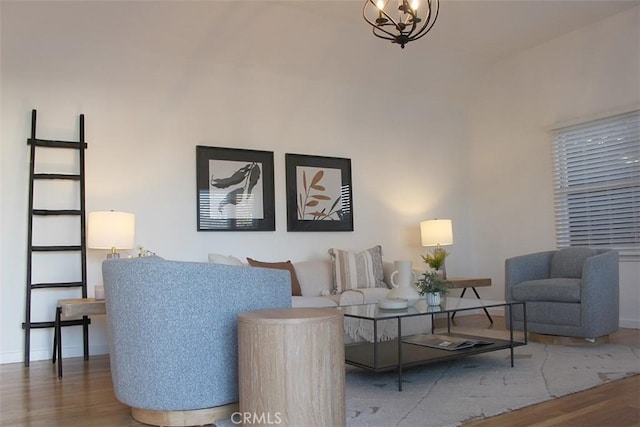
(526, 267)
(600, 293)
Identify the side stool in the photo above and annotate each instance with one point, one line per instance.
(72, 308)
(291, 367)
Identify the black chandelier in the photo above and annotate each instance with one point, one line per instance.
(414, 18)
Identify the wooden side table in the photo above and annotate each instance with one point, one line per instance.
(473, 283)
(69, 308)
(291, 367)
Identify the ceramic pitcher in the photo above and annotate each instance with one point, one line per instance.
(402, 280)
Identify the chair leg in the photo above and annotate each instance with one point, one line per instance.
(461, 296)
(85, 336)
(55, 340)
(59, 340)
(485, 310)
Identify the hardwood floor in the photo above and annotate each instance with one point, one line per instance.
(35, 397)
(615, 404)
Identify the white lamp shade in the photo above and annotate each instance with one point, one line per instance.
(436, 232)
(109, 230)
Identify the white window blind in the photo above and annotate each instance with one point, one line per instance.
(597, 183)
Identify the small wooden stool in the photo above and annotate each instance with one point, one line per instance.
(291, 367)
(70, 308)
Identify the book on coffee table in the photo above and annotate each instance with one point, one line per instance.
(444, 342)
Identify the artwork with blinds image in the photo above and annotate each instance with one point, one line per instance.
(597, 183)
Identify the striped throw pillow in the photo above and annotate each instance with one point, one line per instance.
(353, 270)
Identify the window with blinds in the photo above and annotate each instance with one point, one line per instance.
(597, 183)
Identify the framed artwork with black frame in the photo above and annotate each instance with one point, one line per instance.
(235, 189)
(319, 195)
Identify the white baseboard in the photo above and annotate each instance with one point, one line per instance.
(45, 354)
(497, 311)
(629, 323)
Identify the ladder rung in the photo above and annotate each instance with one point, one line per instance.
(72, 177)
(41, 325)
(56, 144)
(56, 248)
(56, 285)
(57, 212)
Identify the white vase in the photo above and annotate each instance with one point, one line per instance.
(433, 298)
(402, 282)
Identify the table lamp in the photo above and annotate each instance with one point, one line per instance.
(111, 230)
(437, 232)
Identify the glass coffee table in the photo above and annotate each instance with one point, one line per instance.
(428, 347)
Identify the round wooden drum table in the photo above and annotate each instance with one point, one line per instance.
(291, 367)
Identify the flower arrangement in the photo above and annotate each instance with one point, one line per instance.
(432, 282)
(435, 260)
(142, 251)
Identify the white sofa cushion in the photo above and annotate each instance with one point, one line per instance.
(315, 277)
(351, 298)
(313, 302)
(224, 259)
(372, 295)
(353, 270)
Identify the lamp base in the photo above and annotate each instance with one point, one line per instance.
(113, 255)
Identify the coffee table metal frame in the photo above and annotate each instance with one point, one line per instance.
(379, 356)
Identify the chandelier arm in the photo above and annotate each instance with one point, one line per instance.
(421, 34)
(364, 12)
(379, 27)
(388, 36)
(429, 24)
(413, 25)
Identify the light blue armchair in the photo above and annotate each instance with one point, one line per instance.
(571, 292)
(173, 334)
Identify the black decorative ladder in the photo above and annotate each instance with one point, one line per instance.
(80, 146)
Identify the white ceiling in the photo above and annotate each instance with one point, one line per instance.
(321, 40)
(495, 29)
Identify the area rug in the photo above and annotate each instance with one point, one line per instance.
(450, 393)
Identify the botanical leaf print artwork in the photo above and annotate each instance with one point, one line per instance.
(319, 193)
(233, 189)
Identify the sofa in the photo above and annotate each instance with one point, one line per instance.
(172, 334)
(341, 280)
(572, 292)
(318, 290)
(314, 281)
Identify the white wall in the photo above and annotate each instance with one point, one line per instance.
(585, 73)
(156, 79)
